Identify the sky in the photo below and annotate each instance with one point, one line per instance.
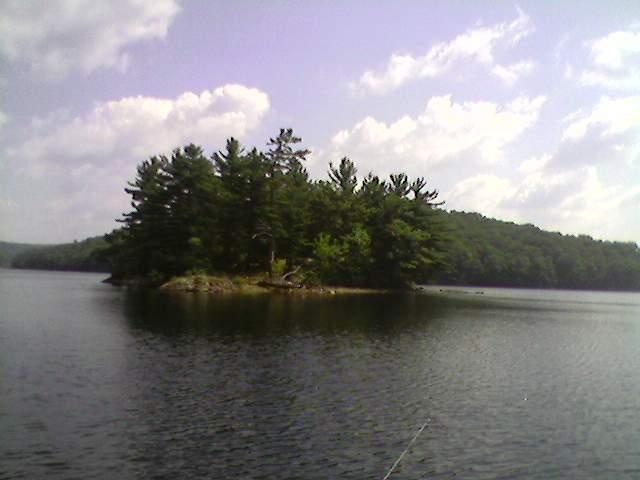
(527, 112)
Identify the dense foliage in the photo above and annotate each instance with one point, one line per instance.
(252, 211)
(489, 252)
(84, 256)
(8, 250)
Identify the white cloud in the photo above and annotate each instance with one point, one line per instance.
(477, 44)
(483, 193)
(535, 164)
(614, 57)
(588, 185)
(611, 116)
(510, 74)
(630, 80)
(612, 50)
(59, 36)
(136, 127)
(76, 167)
(575, 201)
(473, 131)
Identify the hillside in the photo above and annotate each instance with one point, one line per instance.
(484, 251)
(76, 256)
(9, 250)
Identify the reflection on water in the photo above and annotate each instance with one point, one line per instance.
(273, 315)
(98, 382)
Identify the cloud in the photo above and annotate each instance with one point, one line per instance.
(67, 177)
(510, 74)
(575, 201)
(534, 164)
(476, 44)
(59, 36)
(537, 195)
(630, 80)
(588, 184)
(482, 193)
(136, 127)
(612, 50)
(610, 116)
(446, 130)
(614, 57)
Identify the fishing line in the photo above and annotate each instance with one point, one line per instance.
(415, 437)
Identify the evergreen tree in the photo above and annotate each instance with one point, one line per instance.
(237, 211)
(284, 168)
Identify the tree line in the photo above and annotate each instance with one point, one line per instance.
(9, 250)
(484, 251)
(84, 256)
(249, 211)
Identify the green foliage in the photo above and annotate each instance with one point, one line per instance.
(279, 267)
(250, 212)
(344, 177)
(329, 256)
(86, 256)
(9, 250)
(484, 251)
(344, 261)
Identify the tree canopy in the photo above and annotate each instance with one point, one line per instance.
(251, 211)
(9, 250)
(83, 256)
(484, 251)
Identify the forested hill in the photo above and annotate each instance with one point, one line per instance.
(81, 256)
(8, 250)
(484, 251)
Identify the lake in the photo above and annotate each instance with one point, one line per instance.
(99, 382)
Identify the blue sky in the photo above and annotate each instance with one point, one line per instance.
(525, 111)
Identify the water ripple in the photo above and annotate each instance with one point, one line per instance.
(108, 384)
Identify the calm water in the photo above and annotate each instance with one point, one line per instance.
(97, 382)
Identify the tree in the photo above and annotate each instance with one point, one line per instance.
(427, 196)
(234, 227)
(192, 189)
(140, 247)
(344, 178)
(284, 167)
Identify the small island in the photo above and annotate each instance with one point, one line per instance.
(250, 221)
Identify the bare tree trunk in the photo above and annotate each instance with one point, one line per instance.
(268, 232)
(272, 255)
(288, 274)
